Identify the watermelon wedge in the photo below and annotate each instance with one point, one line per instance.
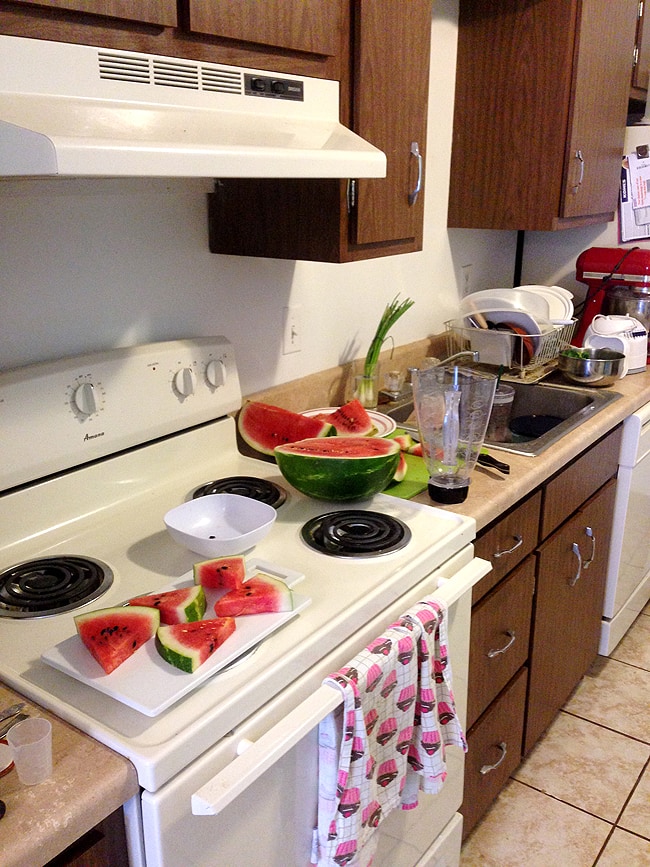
(350, 420)
(228, 572)
(187, 645)
(263, 426)
(261, 594)
(175, 606)
(112, 635)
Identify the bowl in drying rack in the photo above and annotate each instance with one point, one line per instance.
(593, 367)
(220, 525)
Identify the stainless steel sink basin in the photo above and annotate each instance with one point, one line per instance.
(572, 404)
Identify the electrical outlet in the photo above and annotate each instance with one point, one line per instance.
(292, 335)
(466, 280)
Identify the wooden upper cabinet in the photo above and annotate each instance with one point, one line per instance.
(161, 12)
(389, 110)
(541, 104)
(297, 25)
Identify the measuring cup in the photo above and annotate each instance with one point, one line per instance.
(452, 407)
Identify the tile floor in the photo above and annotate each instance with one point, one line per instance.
(582, 797)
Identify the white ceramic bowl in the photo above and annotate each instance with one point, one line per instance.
(220, 525)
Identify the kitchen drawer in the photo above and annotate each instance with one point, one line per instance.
(493, 750)
(507, 542)
(571, 487)
(499, 638)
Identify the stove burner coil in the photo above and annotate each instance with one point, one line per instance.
(51, 585)
(355, 533)
(246, 486)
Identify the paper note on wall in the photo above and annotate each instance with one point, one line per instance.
(634, 222)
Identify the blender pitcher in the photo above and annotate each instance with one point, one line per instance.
(452, 407)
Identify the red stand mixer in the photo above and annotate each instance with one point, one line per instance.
(619, 284)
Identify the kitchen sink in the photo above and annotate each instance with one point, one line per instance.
(571, 404)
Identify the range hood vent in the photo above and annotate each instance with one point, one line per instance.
(81, 111)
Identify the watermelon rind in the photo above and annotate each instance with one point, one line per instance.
(261, 594)
(187, 646)
(222, 572)
(264, 426)
(339, 468)
(112, 635)
(183, 605)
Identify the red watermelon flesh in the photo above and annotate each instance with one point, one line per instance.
(112, 635)
(351, 419)
(261, 594)
(263, 426)
(188, 645)
(175, 606)
(228, 572)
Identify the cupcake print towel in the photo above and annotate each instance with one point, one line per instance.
(387, 741)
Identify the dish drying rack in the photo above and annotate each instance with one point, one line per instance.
(512, 352)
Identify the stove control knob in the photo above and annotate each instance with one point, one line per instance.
(185, 381)
(215, 373)
(84, 399)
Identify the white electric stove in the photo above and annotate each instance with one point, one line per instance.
(95, 450)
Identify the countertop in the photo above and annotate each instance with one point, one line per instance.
(43, 820)
(88, 783)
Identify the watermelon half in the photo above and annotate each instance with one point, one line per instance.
(175, 606)
(188, 645)
(228, 572)
(263, 426)
(339, 468)
(261, 594)
(112, 635)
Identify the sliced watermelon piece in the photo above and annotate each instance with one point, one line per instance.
(339, 468)
(261, 594)
(405, 441)
(263, 426)
(188, 645)
(352, 419)
(416, 450)
(228, 572)
(112, 635)
(175, 606)
(402, 468)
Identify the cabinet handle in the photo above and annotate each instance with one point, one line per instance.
(576, 550)
(487, 768)
(415, 150)
(581, 160)
(590, 535)
(511, 635)
(519, 541)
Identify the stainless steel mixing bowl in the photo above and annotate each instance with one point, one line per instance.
(593, 367)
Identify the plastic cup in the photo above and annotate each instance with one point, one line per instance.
(497, 429)
(31, 745)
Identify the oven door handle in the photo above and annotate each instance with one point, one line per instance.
(257, 757)
(253, 759)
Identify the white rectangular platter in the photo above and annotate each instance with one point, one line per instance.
(150, 685)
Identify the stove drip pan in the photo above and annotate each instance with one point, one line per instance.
(51, 585)
(246, 486)
(355, 533)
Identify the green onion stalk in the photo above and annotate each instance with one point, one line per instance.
(391, 314)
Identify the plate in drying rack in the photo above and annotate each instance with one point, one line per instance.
(150, 685)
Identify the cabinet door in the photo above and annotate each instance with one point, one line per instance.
(298, 25)
(602, 84)
(572, 569)
(389, 108)
(161, 12)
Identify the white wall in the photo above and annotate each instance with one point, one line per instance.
(88, 265)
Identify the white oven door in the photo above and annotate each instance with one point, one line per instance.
(255, 803)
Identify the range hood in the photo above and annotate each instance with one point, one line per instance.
(81, 111)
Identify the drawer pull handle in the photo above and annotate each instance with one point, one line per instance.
(590, 535)
(415, 151)
(519, 541)
(576, 550)
(487, 768)
(511, 635)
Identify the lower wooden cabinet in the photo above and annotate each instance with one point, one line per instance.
(493, 750)
(102, 846)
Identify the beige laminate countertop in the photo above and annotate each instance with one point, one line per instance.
(491, 493)
(88, 783)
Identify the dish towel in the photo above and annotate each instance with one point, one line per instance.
(387, 741)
